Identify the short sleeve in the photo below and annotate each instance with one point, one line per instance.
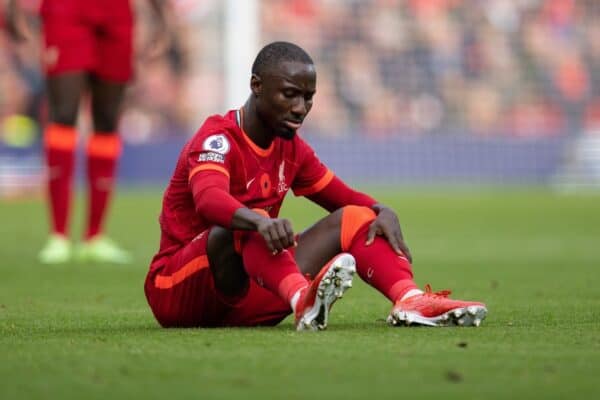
(211, 151)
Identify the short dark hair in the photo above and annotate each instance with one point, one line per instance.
(274, 53)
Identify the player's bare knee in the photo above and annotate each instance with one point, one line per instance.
(336, 217)
(64, 114)
(225, 263)
(219, 240)
(105, 118)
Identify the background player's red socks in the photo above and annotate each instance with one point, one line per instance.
(278, 273)
(59, 146)
(103, 151)
(377, 264)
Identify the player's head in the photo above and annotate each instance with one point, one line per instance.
(283, 85)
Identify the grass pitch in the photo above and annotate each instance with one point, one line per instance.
(85, 331)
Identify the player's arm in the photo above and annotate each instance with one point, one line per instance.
(16, 25)
(210, 188)
(211, 162)
(318, 183)
(337, 194)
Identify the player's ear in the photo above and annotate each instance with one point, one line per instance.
(256, 85)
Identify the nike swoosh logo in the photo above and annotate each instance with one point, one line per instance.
(250, 183)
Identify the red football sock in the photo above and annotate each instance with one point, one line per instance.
(377, 264)
(103, 151)
(59, 146)
(278, 273)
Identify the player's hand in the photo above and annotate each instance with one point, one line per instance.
(277, 232)
(386, 224)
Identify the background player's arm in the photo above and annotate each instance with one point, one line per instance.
(160, 37)
(16, 25)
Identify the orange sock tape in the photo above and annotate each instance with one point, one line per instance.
(353, 218)
(60, 137)
(104, 146)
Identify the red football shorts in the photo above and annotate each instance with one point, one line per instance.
(181, 293)
(87, 36)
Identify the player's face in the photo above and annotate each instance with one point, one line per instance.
(286, 97)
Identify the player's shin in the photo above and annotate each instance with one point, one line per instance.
(59, 145)
(276, 272)
(103, 151)
(377, 263)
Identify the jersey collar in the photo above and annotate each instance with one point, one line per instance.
(239, 118)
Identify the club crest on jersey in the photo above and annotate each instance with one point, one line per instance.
(282, 186)
(216, 143)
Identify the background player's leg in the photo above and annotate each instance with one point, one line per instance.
(64, 94)
(107, 98)
(103, 152)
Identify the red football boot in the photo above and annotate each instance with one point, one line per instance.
(312, 309)
(436, 309)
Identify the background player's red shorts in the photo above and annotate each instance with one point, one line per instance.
(181, 292)
(93, 36)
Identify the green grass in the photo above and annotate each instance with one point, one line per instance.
(85, 331)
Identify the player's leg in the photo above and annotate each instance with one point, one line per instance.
(226, 263)
(346, 230)
(252, 304)
(60, 137)
(275, 285)
(205, 284)
(102, 154)
(243, 266)
(378, 265)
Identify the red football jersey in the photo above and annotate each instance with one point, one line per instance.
(258, 178)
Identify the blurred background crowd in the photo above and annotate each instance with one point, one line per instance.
(521, 68)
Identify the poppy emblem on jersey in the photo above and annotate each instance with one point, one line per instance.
(216, 143)
(265, 185)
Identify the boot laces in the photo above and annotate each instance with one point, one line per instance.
(441, 293)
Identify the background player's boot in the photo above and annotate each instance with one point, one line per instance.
(101, 249)
(312, 310)
(436, 309)
(57, 250)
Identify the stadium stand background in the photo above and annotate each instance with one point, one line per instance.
(409, 91)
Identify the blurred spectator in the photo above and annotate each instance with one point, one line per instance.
(386, 67)
(496, 67)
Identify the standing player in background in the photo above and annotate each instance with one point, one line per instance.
(87, 48)
(227, 259)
